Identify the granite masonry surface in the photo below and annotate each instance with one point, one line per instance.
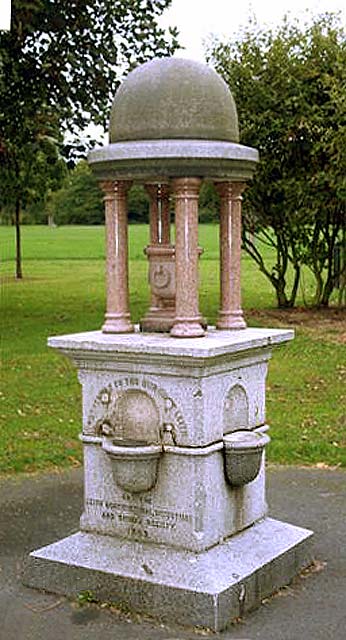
(190, 540)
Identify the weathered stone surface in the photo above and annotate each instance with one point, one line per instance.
(195, 384)
(186, 394)
(161, 159)
(207, 589)
(173, 98)
(190, 507)
(213, 346)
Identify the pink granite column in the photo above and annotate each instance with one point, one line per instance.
(117, 317)
(165, 215)
(187, 320)
(153, 193)
(230, 314)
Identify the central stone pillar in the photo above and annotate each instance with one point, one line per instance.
(165, 215)
(117, 317)
(187, 322)
(160, 253)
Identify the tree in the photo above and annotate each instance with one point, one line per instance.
(79, 201)
(60, 66)
(289, 85)
(209, 203)
(28, 174)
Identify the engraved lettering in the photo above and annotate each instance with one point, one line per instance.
(138, 514)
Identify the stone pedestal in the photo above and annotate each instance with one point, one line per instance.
(163, 528)
(160, 316)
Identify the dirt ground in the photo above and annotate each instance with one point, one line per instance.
(329, 324)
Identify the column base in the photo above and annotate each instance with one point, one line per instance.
(230, 320)
(117, 324)
(186, 328)
(158, 320)
(206, 589)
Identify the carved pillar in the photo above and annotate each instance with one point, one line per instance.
(117, 317)
(165, 215)
(187, 322)
(160, 253)
(230, 314)
(153, 193)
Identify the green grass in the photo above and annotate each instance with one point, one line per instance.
(63, 292)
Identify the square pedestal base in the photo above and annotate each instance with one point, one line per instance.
(205, 589)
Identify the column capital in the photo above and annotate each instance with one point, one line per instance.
(186, 187)
(152, 191)
(115, 188)
(164, 190)
(230, 190)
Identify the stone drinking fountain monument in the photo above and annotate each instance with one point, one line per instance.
(175, 517)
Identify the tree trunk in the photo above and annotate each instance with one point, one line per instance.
(318, 287)
(282, 299)
(295, 285)
(19, 273)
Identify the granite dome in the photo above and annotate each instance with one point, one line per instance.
(173, 98)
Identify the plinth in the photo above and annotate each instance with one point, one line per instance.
(167, 529)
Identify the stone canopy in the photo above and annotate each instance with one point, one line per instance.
(174, 117)
(173, 123)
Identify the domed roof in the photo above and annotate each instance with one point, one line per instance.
(173, 98)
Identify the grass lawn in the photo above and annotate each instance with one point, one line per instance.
(63, 292)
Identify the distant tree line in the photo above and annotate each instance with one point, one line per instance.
(79, 200)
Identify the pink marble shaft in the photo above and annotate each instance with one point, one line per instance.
(230, 314)
(117, 317)
(153, 192)
(187, 320)
(165, 215)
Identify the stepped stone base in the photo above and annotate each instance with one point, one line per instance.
(205, 589)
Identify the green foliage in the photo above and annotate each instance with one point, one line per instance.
(209, 203)
(79, 201)
(62, 62)
(86, 597)
(60, 66)
(138, 204)
(289, 85)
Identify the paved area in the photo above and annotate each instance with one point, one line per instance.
(35, 511)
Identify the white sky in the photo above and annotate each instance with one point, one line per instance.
(197, 19)
(5, 14)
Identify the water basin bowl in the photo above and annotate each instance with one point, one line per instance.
(243, 451)
(134, 464)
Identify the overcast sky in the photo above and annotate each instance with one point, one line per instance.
(197, 19)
